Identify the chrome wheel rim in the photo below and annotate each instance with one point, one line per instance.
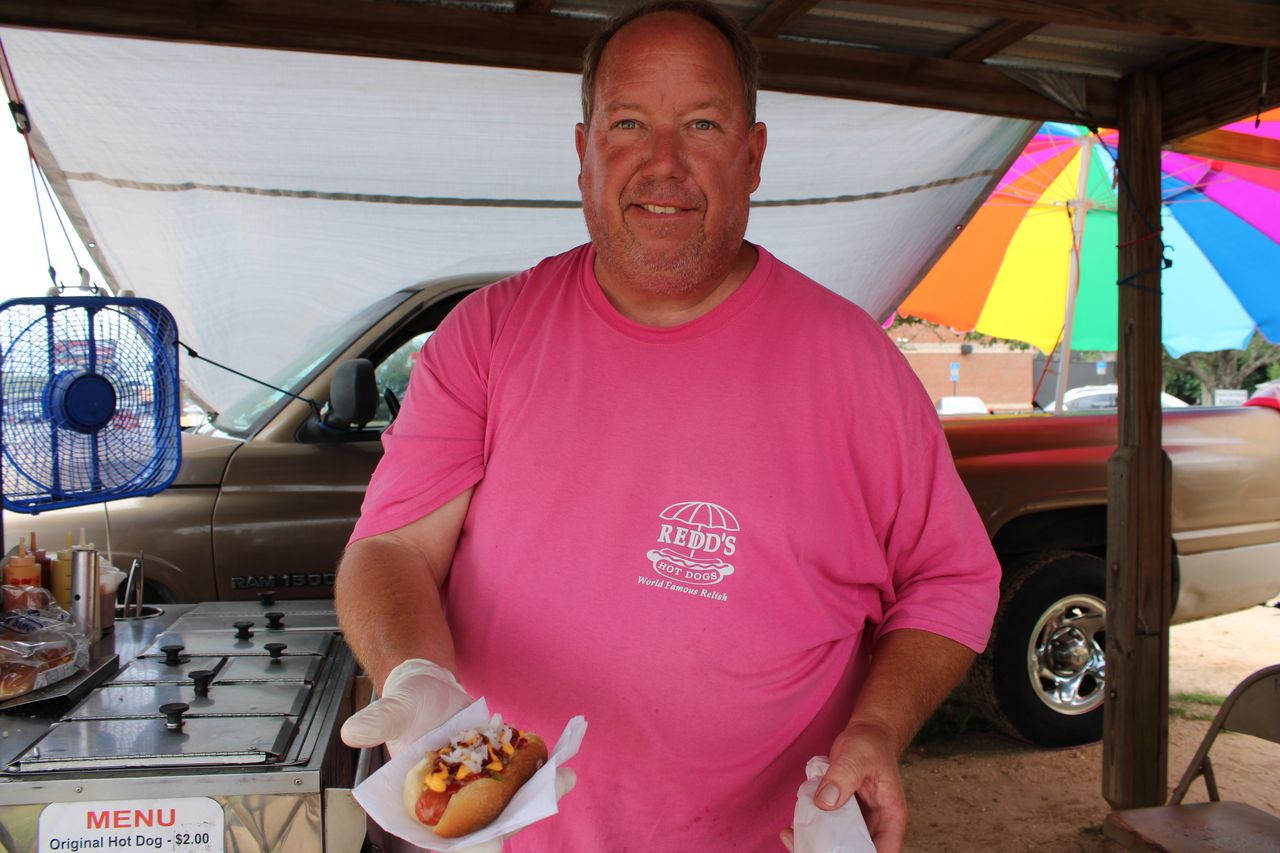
(1066, 656)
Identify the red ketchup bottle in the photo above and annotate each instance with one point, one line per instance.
(20, 571)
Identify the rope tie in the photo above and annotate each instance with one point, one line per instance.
(1149, 236)
(312, 403)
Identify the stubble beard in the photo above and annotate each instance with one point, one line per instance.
(700, 260)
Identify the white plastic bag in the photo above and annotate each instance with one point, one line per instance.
(820, 831)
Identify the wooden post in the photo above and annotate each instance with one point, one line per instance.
(1139, 551)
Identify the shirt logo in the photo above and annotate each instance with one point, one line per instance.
(696, 536)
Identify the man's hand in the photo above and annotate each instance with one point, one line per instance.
(417, 696)
(864, 762)
(911, 673)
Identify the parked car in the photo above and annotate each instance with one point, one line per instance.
(269, 490)
(1092, 398)
(1267, 394)
(962, 406)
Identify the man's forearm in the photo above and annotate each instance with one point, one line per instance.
(390, 608)
(911, 673)
(388, 591)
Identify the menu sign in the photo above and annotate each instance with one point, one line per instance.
(186, 825)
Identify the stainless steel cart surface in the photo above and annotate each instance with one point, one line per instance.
(195, 729)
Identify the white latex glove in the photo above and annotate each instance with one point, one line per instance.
(418, 696)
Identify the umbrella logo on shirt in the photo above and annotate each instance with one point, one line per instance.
(697, 535)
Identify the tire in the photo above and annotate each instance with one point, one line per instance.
(155, 593)
(1044, 672)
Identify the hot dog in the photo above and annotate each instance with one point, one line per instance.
(465, 785)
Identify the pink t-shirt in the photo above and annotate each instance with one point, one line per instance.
(691, 536)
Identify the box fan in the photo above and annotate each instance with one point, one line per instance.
(89, 400)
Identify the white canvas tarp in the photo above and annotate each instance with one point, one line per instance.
(264, 195)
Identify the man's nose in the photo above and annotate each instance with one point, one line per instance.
(666, 153)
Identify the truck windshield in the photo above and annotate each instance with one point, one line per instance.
(247, 414)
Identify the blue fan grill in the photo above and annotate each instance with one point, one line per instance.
(89, 400)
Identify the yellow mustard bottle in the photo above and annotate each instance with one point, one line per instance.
(62, 576)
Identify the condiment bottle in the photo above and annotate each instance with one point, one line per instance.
(61, 588)
(21, 568)
(21, 573)
(44, 561)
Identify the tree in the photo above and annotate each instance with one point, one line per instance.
(1235, 368)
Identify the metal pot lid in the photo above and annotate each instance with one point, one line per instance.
(262, 622)
(251, 669)
(258, 606)
(254, 642)
(113, 744)
(222, 700)
(156, 671)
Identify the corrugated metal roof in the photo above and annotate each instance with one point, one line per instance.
(1209, 58)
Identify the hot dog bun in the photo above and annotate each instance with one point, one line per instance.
(17, 678)
(483, 796)
(414, 783)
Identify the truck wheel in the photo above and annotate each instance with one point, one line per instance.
(1046, 664)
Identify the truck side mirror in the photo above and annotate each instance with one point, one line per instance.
(353, 394)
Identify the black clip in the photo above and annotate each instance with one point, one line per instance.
(20, 117)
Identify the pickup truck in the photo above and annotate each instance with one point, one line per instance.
(270, 488)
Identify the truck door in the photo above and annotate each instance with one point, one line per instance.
(291, 495)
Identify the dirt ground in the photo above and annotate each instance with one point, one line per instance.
(971, 789)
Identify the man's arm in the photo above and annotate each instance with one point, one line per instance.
(387, 592)
(911, 673)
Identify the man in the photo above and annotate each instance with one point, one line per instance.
(669, 483)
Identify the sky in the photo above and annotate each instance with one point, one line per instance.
(23, 266)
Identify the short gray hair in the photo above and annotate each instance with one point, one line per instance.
(744, 50)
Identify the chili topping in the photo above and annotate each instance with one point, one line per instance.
(474, 754)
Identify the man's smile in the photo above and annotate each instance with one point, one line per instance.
(663, 208)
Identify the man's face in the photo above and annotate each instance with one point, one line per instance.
(670, 159)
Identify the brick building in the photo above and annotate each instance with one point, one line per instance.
(1000, 373)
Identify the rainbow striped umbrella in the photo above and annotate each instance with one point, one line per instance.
(1037, 263)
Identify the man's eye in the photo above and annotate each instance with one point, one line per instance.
(625, 124)
(704, 124)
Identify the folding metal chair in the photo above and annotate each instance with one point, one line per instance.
(1253, 708)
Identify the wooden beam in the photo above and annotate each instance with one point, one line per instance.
(873, 75)
(1135, 756)
(1217, 89)
(379, 28)
(1191, 53)
(1236, 147)
(1224, 21)
(775, 17)
(534, 7)
(994, 39)
(397, 30)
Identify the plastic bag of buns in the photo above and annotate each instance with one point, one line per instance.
(38, 647)
(23, 599)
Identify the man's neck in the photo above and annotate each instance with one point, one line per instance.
(664, 311)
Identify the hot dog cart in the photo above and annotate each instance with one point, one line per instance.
(208, 727)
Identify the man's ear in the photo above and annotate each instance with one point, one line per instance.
(757, 138)
(580, 140)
